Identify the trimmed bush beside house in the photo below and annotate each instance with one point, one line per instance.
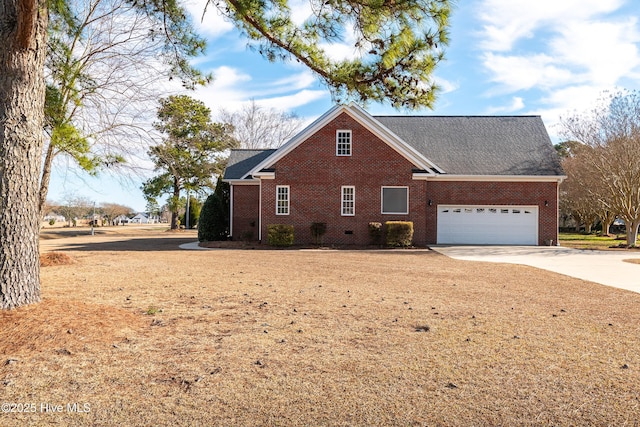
(375, 233)
(318, 229)
(280, 235)
(399, 233)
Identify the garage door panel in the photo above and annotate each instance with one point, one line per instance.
(496, 225)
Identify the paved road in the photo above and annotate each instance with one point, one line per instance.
(604, 267)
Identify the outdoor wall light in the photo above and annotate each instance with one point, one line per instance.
(546, 203)
(430, 202)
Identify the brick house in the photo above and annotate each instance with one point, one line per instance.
(460, 179)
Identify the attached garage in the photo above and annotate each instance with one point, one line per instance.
(487, 225)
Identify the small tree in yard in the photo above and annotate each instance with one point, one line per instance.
(190, 152)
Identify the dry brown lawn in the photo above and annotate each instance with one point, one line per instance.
(140, 333)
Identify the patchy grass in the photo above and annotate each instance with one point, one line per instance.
(591, 241)
(255, 337)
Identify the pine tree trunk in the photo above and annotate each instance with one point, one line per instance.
(23, 25)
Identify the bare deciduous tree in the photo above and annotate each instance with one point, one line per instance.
(105, 71)
(113, 210)
(612, 132)
(256, 127)
(73, 207)
(582, 194)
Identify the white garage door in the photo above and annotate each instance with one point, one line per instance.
(488, 225)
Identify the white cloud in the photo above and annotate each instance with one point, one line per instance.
(289, 102)
(225, 77)
(508, 21)
(516, 73)
(558, 56)
(300, 11)
(517, 103)
(233, 88)
(298, 81)
(211, 24)
(446, 86)
(605, 50)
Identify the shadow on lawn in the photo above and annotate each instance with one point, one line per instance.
(130, 244)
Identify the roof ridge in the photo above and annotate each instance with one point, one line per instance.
(252, 149)
(458, 116)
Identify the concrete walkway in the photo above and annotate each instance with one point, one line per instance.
(604, 267)
(194, 246)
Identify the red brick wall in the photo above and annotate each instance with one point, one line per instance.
(315, 176)
(497, 193)
(246, 203)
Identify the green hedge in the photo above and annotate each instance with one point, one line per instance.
(399, 233)
(213, 223)
(280, 235)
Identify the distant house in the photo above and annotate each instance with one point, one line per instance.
(55, 217)
(460, 180)
(143, 218)
(121, 220)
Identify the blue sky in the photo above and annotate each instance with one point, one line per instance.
(506, 57)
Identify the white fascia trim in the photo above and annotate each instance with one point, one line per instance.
(242, 181)
(497, 178)
(265, 175)
(422, 176)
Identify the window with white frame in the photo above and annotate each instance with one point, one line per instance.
(282, 200)
(395, 200)
(348, 200)
(343, 143)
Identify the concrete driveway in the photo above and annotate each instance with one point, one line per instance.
(604, 267)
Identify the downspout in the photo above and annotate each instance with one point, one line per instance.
(231, 187)
(558, 212)
(260, 211)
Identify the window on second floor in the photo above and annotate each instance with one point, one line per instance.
(343, 143)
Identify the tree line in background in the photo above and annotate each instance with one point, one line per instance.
(601, 157)
(72, 208)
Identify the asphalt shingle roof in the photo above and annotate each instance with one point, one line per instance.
(459, 145)
(480, 145)
(242, 161)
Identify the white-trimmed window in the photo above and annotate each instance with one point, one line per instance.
(348, 200)
(343, 143)
(395, 200)
(282, 200)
